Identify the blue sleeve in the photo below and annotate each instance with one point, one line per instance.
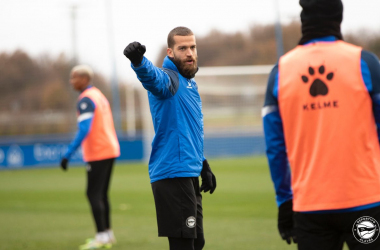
(275, 142)
(85, 108)
(153, 79)
(370, 68)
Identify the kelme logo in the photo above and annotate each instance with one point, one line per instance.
(318, 81)
(366, 229)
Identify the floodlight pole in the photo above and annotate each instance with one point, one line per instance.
(74, 34)
(278, 31)
(114, 81)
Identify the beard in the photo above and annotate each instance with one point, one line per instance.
(186, 70)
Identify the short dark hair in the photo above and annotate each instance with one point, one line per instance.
(178, 31)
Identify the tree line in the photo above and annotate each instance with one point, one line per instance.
(41, 84)
(258, 45)
(29, 84)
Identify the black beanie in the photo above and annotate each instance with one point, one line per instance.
(321, 18)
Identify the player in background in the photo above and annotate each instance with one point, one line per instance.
(177, 159)
(321, 122)
(100, 146)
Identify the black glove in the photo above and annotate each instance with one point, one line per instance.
(135, 52)
(64, 162)
(285, 222)
(208, 178)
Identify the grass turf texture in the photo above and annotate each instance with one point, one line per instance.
(43, 209)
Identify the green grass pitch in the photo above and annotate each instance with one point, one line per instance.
(46, 208)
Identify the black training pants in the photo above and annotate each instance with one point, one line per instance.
(98, 180)
(330, 231)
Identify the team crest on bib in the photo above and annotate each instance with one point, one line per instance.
(83, 105)
(191, 222)
(366, 229)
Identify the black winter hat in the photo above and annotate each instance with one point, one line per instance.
(321, 18)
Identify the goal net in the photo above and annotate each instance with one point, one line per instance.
(232, 99)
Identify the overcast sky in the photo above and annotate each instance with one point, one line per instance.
(44, 26)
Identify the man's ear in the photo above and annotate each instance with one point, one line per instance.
(169, 52)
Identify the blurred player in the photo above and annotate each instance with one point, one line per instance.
(321, 121)
(177, 158)
(100, 147)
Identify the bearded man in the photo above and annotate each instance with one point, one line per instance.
(177, 159)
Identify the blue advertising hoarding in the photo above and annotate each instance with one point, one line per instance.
(48, 150)
(37, 151)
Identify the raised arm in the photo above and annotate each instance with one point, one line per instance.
(152, 78)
